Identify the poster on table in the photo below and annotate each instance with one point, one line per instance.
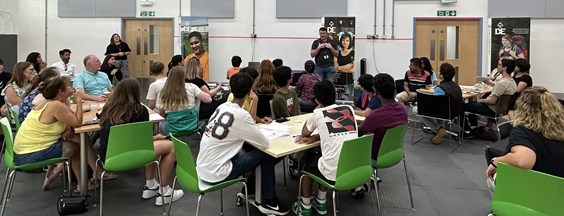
(195, 41)
(510, 39)
(342, 31)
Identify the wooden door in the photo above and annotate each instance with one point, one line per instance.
(453, 40)
(150, 40)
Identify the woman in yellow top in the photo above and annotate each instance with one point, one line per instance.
(46, 129)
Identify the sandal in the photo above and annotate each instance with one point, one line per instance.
(91, 186)
(108, 176)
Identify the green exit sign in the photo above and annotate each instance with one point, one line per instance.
(446, 13)
(147, 13)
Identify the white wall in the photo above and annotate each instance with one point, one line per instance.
(90, 36)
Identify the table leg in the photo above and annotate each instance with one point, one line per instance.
(258, 185)
(83, 166)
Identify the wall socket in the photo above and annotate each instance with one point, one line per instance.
(254, 35)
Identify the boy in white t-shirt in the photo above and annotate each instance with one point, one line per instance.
(335, 124)
(157, 71)
(229, 127)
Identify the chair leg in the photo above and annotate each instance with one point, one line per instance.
(96, 178)
(172, 196)
(246, 198)
(408, 184)
(68, 181)
(6, 191)
(299, 193)
(375, 181)
(6, 182)
(11, 184)
(284, 170)
(161, 188)
(221, 201)
(334, 204)
(198, 205)
(102, 192)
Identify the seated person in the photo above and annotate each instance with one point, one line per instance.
(495, 75)
(265, 84)
(415, 78)
(536, 142)
(250, 103)
(178, 95)
(175, 61)
(285, 100)
(125, 107)
(487, 106)
(391, 114)
(193, 72)
(304, 87)
(31, 93)
(450, 88)
(324, 165)
(368, 100)
(522, 79)
(277, 62)
(235, 62)
(229, 128)
(14, 90)
(155, 88)
(92, 83)
(46, 132)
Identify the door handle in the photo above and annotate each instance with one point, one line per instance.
(432, 54)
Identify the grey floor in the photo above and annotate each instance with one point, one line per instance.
(443, 183)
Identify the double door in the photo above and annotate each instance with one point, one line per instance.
(150, 40)
(453, 40)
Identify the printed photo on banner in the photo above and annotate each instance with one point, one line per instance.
(195, 41)
(510, 39)
(342, 31)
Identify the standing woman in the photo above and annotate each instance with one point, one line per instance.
(344, 63)
(119, 50)
(429, 68)
(109, 67)
(18, 85)
(35, 59)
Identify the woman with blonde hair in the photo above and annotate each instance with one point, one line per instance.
(177, 94)
(193, 71)
(536, 141)
(265, 83)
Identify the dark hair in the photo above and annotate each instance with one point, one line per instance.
(51, 87)
(112, 38)
(323, 29)
(32, 58)
(1, 62)
(427, 64)
(195, 34)
(45, 74)
(174, 61)
(123, 104)
(342, 38)
(105, 66)
(63, 51)
(277, 62)
(324, 92)
(365, 81)
(523, 65)
(18, 74)
(281, 75)
(309, 66)
(509, 64)
(241, 84)
(156, 68)
(417, 62)
(236, 61)
(448, 71)
(250, 71)
(385, 86)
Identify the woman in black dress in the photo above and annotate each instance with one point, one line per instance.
(119, 50)
(109, 67)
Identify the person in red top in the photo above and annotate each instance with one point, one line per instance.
(236, 63)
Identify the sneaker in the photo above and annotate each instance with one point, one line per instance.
(359, 191)
(178, 194)
(438, 136)
(301, 209)
(320, 206)
(241, 196)
(149, 193)
(273, 207)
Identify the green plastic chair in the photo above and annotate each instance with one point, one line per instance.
(391, 153)
(527, 192)
(13, 117)
(130, 146)
(13, 168)
(187, 176)
(353, 168)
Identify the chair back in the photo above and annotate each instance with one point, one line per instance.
(8, 142)
(399, 85)
(526, 192)
(391, 149)
(504, 129)
(354, 163)
(272, 113)
(186, 172)
(436, 106)
(263, 105)
(13, 118)
(182, 122)
(503, 103)
(130, 146)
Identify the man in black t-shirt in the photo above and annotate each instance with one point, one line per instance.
(323, 50)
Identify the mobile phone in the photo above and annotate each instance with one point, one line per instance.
(280, 120)
(96, 121)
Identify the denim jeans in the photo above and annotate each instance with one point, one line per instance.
(53, 151)
(478, 108)
(248, 161)
(327, 73)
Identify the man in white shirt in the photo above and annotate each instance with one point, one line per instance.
(66, 68)
(229, 127)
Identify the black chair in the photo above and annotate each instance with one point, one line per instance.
(501, 108)
(439, 107)
(399, 85)
(263, 105)
(498, 148)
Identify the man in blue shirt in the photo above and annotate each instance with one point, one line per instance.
(92, 84)
(368, 99)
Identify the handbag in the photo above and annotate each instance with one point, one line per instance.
(67, 205)
(185, 120)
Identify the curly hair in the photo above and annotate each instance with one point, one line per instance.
(265, 84)
(538, 110)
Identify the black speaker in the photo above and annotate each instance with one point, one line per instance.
(362, 66)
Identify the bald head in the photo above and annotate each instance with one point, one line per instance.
(91, 63)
